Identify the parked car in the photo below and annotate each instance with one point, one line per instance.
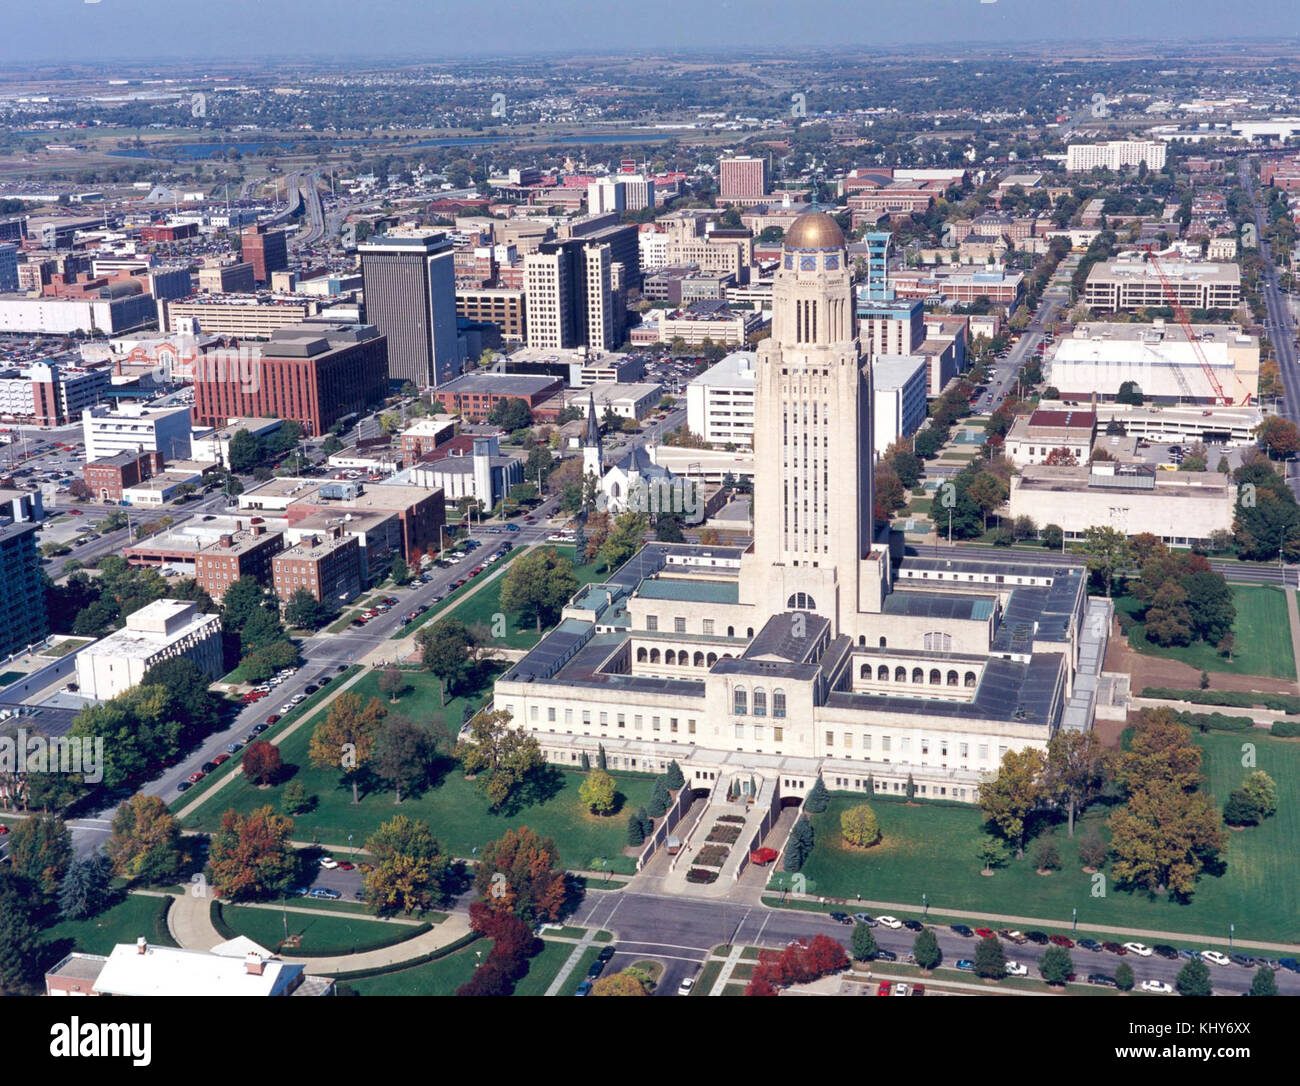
(180, 787)
(966, 965)
(842, 918)
(1013, 936)
(913, 925)
(274, 718)
(686, 986)
(1215, 957)
(220, 758)
(1164, 950)
(1114, 948)
(1016, 969)
(889, 922)
(1140, 949)
(883, 988)
(1103, 979)
(984, 933)
(866, 918)
(326, 893)
(328, 863)
(1061, 940)
(1158, 987)
(963, 931)
(606, 952)
(883, 955)
(196, 776)
(584, 989)
(1292, 964)
(1038, 938)
(595, 969)
(208, 767)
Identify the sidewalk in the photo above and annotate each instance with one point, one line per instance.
(1293, 617)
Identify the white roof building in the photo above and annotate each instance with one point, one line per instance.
(156, 632)
(720, 401)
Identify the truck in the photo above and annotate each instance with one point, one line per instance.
(673, 845)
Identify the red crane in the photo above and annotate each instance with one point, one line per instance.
(1221, 397)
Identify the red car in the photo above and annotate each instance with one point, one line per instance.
(196, 776)
(220, 758)
(1061, 940)
(762, 856)
(3, 830)
(984, 933)
(346, 865)
(884, 988)
(274, 718)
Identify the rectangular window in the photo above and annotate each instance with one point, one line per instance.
(885, 741)
(586, 716)
(739, 731)
(679, 625)
(963, 749)
(690, 727)
(550, 713)
(622, 720)
(830, 739)
(866, 742)
(672, 724)
(778, 734)
(652, 622)
(568, 716)
(848, 741)
(604, 719)
(708, 626)
(532, 712)
(907, 744)
(984, 752)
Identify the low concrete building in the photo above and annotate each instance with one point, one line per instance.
(1214, 426)
(214, 444)
(158, 631)
(898, 387)
(1034, 437)
(720, 401)
(633, 401)
(484, 474)
(1180, 507)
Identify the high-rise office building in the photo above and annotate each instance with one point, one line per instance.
(23, 619)
(574, 291)
(742, 178)
(267, 250)
(410, 288)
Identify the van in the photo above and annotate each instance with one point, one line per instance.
(674, 845)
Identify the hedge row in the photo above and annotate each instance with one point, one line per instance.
(1285, 729)
(1216, 722)
(1239, 699)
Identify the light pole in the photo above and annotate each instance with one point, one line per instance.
(925, 906)
(1231, 928)
(1074, 923)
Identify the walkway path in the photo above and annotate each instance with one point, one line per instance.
(1293, 617)
(724, 974)
(571, 964)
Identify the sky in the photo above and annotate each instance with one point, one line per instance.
(89, 30)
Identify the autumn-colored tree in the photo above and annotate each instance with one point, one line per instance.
(597, 792)
(145, 842)
(629, 982)
(1014, 793)
(345, 739)
(859, 826)
(534, 885)
(1078, 767)
(1163, 838)
(261, 762)
(1061, 457)
(251, 856)
(410, 871)
(1161, 751)
(500, 756)
(1279, 436)
(40, 850)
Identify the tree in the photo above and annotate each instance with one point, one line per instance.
(20, 937)
(635, 834)
(393, 683)
(863, 945)
(859, 826)
(1092, 849)
(990, 959)
(624, 539)
(1078, 767)
(304, 611)
(242, 599)
(1124, 977)
(1211, 604)
(992, 853)
(799, 845)
(1106, 551)
(245, 452)
(345, 739)
(674, 777)
(1241, 810)
(1279, 437)
(1260, 787)
(1129, 393)
(600, 756)
(1014, 793)
(818, 798)
(585, 763)
(40, 850)
(446, 649)
(404, 752)
(534, 887)
(538, 585)
(1169, 619)
(400, 571)
(1061, 457)
(410, 872)
(294, 799)
(1056, 965)
(251, 855)
(1053, 537)
(925, 949)
(987, 491)
(1047, 857)
(1263, 983)
(1194, 979)
(1163, 838)
(1161, 751)
(85, 890)
(660, 799)
(511, 414)
(261, 762)
(628, 982)
(598, 792)
(499, 756)
(145, 842)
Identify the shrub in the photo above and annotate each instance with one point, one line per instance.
(859, 826)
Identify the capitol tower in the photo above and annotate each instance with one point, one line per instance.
(813, 483)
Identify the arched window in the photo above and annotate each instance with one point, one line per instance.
(731, 631)
(900, 674)
(670, 657)
(882, 642)
(727, 656)
(952, 678)
(749, 631)
(778, 702)
(865, 672)
(882, 673)
(712, 658)
(935, 677)
(801, 601)
(918, 676)
(970, 679)
(654, 656)
(699, 659)
(862, 641)
(641, 655)
(740, 706)
(760, 701)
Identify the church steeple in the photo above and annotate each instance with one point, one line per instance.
(593, 427)
(592, 460)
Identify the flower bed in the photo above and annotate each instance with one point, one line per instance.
(738, 819)
(724, 835)
(701, 874)
(712, 855)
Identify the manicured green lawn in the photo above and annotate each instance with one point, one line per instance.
(440, 977)
(1262, 637)
(455, 808)
(542, 969)
(319, 934)
(125, 922)
(931, 849)
(579, 974)
(452, 598)
(481, 608)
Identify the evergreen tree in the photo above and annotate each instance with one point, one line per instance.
(911, 786)
(990, 959)
(586, 762)
(660, 799)
(19, 935)
(1263, 983)
(600, 756)
(800, 845)
(818, 798)
(676, 779)
(925, 949)
(871, 784)
(647, 823)
(635, 832)
(1194, 979)
(1124, 977)
(85, 888)
(863, 946)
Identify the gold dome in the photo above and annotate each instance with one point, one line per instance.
(814, 230)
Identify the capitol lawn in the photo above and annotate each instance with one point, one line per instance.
(454, 807)
(931, 848)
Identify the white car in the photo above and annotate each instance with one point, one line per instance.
(1140, 949)
(1159, 987)
(685, 987)
(328, 863)
(287, 707)
(1016, 969)
(889, 922)
(1215, 958)
(900, 990)
(298, 699)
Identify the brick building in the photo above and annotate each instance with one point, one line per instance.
(328, 565)
(267, 250)
(108, 476)
(475, 394)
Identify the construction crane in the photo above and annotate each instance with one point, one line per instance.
(1220, 397)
